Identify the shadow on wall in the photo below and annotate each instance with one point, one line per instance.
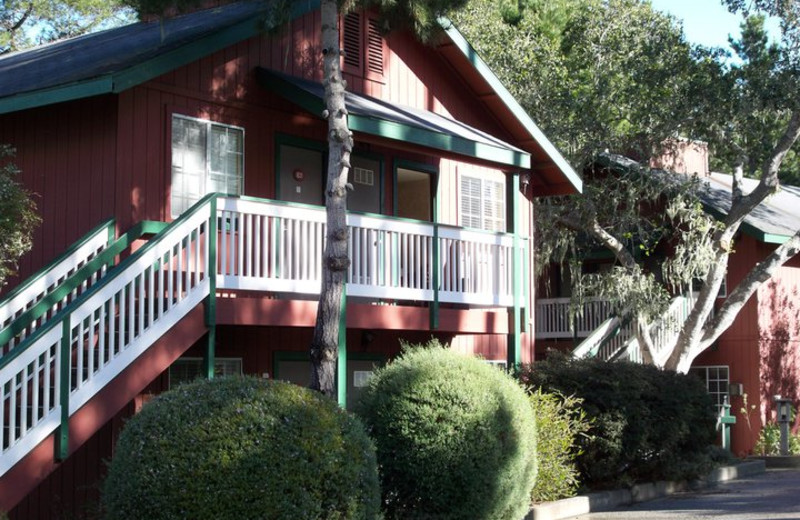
(779, 349)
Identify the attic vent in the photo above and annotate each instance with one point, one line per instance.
(352, 39)
(374, 47)
(363, 176)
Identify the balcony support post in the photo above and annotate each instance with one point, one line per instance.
(341, 361)
(513, 203)
(211, 303)
(62, 437)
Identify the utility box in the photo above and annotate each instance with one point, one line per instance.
(784, 409)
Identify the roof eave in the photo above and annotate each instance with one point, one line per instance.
(130, 77)
(571, 177)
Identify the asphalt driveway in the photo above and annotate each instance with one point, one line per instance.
(774, 495)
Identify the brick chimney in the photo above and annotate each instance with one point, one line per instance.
(683, 156)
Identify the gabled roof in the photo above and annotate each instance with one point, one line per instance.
(773, 221)
(118, 59)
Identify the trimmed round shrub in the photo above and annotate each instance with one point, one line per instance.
(238, 448)
(455, 437)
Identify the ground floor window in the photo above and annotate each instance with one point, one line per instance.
(717, 379)
(187, 369)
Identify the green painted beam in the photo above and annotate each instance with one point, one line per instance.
(395, 130)
(439, 141)
(62, 435)
(38, 98)
(209, 356)
(514, 345)
(108, 225)
(341, 358)
(73, 282)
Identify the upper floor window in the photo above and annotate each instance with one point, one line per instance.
(206, 157)
(483, 204)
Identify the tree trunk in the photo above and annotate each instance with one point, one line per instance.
(697, 335)
(335, 261)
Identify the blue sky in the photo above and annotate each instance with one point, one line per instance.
(707, 22)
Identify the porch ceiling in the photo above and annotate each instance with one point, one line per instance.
(420, 127)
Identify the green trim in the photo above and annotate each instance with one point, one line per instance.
(156, 66)
(62, 437)
(514, 345)
(438, 140)
(110, 226)
(526, 298)
(511, 103)
(341, 357)
(399, 131)
(434, 309)
(209, 356)
(282, 139)
(82, 274)
(373, 156)
(105, 257)
(433, 171)
(287, 355)
(749, 229)
(51, 96)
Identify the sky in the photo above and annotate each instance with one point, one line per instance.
(707, 22)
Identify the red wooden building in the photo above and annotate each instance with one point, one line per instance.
(201, 139)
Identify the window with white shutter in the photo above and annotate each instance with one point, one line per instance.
(483, 204)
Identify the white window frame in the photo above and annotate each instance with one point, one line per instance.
(719, 396)
(488, 223)
(207, 172)
(224, 366)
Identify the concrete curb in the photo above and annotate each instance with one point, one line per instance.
(607, 500)
(778, 461)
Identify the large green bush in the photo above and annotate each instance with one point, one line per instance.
(561, 424)
(647, 424)
(239, 448)
(455, 437)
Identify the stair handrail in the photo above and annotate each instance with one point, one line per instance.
(51, 275)
(662, 331)
(589, 346)
(45, 357)
(77, 279)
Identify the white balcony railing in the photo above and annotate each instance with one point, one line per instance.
(276, 247)
(553, 317)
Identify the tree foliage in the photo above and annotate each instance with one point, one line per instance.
(617, 76)
(18, 217)
(25, 23)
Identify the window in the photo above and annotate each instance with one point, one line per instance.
(483, 204)
(206, 157)
(188, 369)
(716, 379)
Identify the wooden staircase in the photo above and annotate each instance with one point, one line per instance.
(89, 332)
(86, 334)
